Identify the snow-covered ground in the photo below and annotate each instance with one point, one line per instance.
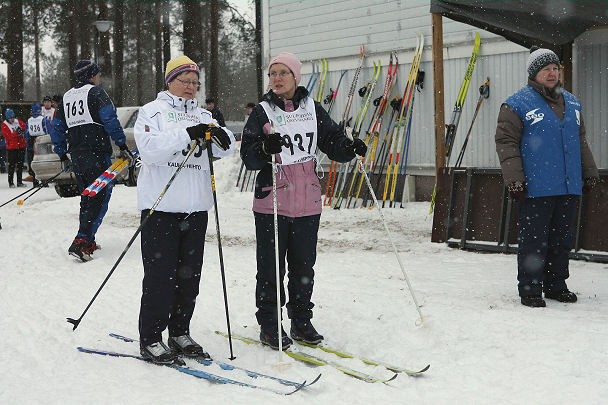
(484, 347)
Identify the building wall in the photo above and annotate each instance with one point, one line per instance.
(591, 86)
(334, 29)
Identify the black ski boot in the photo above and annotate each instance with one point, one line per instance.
(159, 353)
(188, 347)
(269, 337)
(79, 249)
(303, 331)
(533, 301)
(561, 295)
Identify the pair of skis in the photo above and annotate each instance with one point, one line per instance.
(109, 175)
(320, 361)
(456, 113)
(333, 167)
(213, 377)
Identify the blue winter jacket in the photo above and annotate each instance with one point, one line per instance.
(550, 147)
(89, 137)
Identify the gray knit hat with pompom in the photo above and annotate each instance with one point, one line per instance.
(538, 59)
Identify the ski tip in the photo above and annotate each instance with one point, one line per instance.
(315, 380)
(390, 379)
(298, 388)
(126, 339)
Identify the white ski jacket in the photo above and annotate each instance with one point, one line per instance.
(163, 143)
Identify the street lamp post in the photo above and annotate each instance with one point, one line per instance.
(103, 25)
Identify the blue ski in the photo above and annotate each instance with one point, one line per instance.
(196, 373)
(226, 366)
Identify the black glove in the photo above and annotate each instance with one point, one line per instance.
(517, 190)
(272, 143)
(589, 184)
(355, 145)
(66, 164)
(19, 130)
(197, 132)
(220, 137)
(126, 154)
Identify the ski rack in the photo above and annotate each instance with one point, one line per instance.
(466, 217)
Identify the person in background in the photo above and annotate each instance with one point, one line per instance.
(13, 130)
(173, 238)
(546, 165)
(248, 108)
(2, 154)
(290, 125)
(55, 100)
(37, 125)
(48, 111)
(215, 112)
(85, 124)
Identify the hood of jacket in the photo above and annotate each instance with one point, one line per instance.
(178, 103)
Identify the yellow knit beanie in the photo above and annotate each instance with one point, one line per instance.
(179, 65)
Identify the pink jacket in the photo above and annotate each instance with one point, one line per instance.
(298, 192)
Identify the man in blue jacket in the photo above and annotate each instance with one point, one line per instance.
(84, 125)
(546, 165)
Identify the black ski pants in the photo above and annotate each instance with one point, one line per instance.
(87, 166)
(297, 243)
(172, 246)
(546, 236)
(15, 164)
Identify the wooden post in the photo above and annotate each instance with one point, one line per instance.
(438, 91)
(567, 66)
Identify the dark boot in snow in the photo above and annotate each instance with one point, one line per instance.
(159, 353)
(188, 347)
(79, 249)
(561, 295)
(303, 331)
(533, 301)
(268, 336)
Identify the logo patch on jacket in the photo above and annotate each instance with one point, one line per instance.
(537, 117)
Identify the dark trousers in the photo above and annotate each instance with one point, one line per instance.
(297, 242)
(172, 247)
(30, 156)
(546, 235)
(87, 166)
(3, 160)
(15, 164)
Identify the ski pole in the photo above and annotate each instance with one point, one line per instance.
(42, 184)
(219, 238)
(76, 322)
(390, 236)
(484, 92)
(277, 270)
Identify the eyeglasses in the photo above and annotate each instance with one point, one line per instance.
(282, 73)
(187, 83)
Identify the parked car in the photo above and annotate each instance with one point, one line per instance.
(46, 163)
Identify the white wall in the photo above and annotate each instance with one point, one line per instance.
(334, 29)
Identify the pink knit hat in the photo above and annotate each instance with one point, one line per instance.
(288, 59)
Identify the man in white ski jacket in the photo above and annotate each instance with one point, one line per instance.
(173, 238)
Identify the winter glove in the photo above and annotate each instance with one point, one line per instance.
(355, 145)
(272, 143)
(589, 184)
(126, 154)
(66, 164)
(517, 190)
(219, 137)
(19, 130)
(198, 132)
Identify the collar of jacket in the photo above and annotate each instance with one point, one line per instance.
(179, 103)
(553, 94)
(300, 94)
